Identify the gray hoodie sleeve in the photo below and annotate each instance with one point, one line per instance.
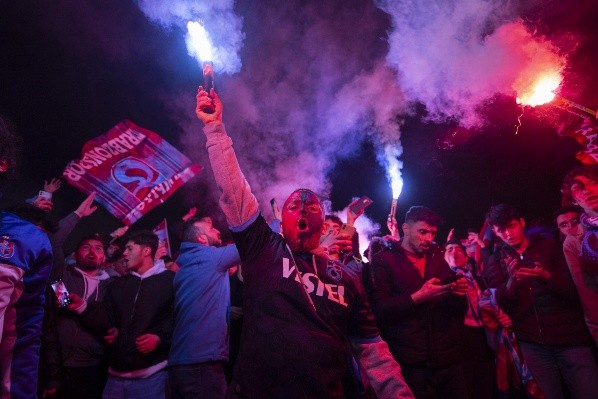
(236, 200)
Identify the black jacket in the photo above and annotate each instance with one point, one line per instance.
(427, 334)
(65, 343)
(135, 307)
(542, 312)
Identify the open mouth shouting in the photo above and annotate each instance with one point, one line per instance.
(302, 226)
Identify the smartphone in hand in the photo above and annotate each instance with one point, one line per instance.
(360, 205)
(451, 279)
(61, 292)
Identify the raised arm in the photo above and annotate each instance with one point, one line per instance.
(237, 202)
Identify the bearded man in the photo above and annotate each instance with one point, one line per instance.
(303, 316)
(74, 357)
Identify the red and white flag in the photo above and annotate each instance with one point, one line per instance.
(161, 230)
(132, 169)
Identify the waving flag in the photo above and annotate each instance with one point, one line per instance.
(132, 169)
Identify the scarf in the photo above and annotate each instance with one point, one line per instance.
(589, 244)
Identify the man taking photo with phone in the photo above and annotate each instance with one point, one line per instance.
(73, 357)
(136, 320)
(534, 287)
(419, 305)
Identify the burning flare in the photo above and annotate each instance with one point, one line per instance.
(393, 169)
(541, 90)
(538, 81)
(198, 42)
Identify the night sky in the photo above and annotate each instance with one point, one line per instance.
(305, 105)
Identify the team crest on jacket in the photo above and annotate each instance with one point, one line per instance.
(7, 247)
(334, 270)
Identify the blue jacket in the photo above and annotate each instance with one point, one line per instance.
(24, 245)
(201, 304)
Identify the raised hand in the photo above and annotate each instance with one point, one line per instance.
(121, 231)
(275, 209)
(450, 235)
(53, 185)
(160, 252)
(86, 208)
(352, 216)
(391, 224)
(190, 213)
(205, 102)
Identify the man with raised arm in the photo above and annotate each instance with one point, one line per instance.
(201, 312)
(303, 315)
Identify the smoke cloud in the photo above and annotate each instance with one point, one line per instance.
(218, 17)
(318, 79)
(366, 228)
(453, 55)
(314, 87)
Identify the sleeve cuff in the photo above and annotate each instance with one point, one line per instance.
(236, 229)
(81, 308)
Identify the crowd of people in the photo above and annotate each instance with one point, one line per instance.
(291, 309)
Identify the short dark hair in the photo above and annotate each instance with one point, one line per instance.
(145, 238)
(455, 242)
(334, 219)
(95, 237)
(566, 209)
(190, 231)
(377, 245)
(500, 215)
(422, 214)
(589, 171)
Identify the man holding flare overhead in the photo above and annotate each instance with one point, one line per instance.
(304, 317)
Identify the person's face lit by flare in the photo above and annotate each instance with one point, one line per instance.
(568, 224)
(90, 255)
(585, 194)
(302, 221)
(512, 233)
(134, 255)
(419, 236)
(455, 256)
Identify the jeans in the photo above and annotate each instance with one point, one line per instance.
(201, 380)
(576, 364)
(152, 387)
